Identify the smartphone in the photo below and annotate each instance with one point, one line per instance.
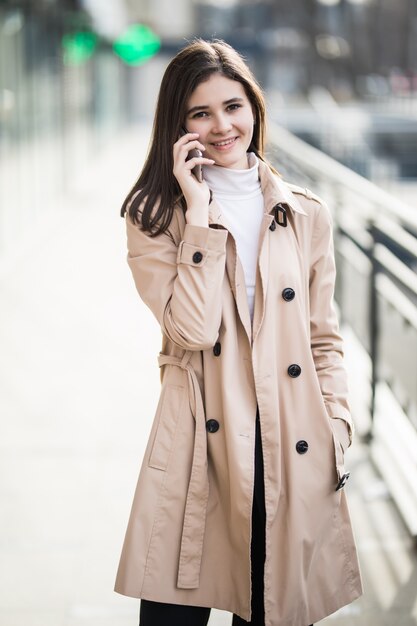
(198, 169)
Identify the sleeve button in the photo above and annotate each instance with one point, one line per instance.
(197, 257)
(217, 348)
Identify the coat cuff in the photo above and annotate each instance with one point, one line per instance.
(200, 239)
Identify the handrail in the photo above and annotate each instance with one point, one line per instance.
(322, 166)
(397, 299)
(396, 267)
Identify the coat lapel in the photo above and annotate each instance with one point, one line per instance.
(275, 192)
(234, 269)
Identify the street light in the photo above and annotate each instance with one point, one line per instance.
(137, 44)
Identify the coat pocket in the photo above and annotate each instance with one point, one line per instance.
(339, 456)
(167, 416)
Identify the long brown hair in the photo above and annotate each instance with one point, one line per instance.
(158, 188)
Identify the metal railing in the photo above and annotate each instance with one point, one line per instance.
(376, 256)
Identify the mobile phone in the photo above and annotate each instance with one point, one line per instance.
(198, 169)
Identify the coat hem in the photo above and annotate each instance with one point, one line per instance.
(312, 617)
(152, 598)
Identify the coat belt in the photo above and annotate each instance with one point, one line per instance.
(198, 488)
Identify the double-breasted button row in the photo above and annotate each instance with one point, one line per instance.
(294, 370)
(197, 257)
(288, 294)
(301, 446)
(212, 426)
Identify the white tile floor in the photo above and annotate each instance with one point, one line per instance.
(78, 385)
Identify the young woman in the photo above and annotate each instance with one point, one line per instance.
(240, 502)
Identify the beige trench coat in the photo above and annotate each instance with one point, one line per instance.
(189, 532)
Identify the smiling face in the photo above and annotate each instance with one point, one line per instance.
(220, 111)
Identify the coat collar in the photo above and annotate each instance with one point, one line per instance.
(275, 191)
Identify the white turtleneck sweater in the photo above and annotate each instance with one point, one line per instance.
(239, 195)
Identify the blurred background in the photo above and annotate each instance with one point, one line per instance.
(78, 371)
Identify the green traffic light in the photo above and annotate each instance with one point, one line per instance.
(78, 47)
(137, 44)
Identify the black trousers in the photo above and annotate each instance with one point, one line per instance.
(161, 614)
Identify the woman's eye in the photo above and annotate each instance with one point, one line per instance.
(233, 107)
(199, 114)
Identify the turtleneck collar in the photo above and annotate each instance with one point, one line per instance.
(228, 182)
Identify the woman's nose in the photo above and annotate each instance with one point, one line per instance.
(221, 124)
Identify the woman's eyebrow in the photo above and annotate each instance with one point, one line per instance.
(202, 107)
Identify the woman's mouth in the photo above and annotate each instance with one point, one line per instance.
(225, 144)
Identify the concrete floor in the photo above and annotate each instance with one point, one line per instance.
(78, 386)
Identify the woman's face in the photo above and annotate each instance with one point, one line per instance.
(219, 110)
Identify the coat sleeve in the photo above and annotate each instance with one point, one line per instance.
(326, 341)
(182, 288)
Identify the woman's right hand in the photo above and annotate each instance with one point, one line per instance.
(196, 194)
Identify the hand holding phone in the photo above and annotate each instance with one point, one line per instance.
(190, 177)
(198, 169)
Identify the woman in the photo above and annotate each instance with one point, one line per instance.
(240, 502)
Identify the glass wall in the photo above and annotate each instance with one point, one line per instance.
(57, 109)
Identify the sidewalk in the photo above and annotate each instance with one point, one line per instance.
(79, 382)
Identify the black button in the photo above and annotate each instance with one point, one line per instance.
(342, 481)
(301, 446)
(272, 226)
(197, 257)
(288, 294)
(212, 426)
(294, 370)
(217, 348)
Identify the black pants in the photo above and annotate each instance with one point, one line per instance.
(161, 614)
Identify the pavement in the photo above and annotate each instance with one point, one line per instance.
(78, 388)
